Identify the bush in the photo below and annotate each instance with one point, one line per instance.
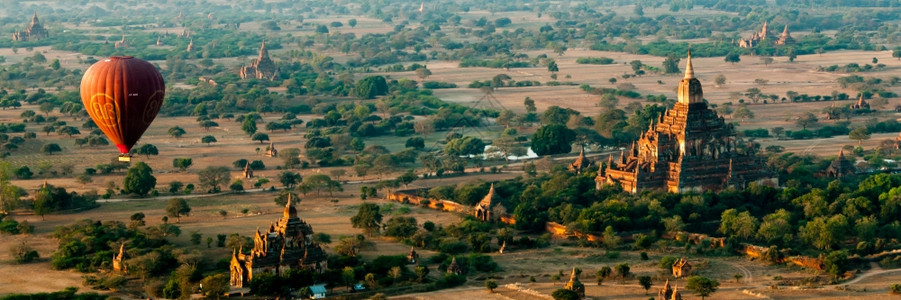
(594, 60)
(450, 280)
(22, 253)
(439, 85)
(759, 132)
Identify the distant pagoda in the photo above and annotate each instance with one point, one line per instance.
(690, 148)
(261, 68)
(35, 31)
(785, 38)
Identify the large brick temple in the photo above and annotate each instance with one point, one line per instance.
(689, 148)
(288, 244)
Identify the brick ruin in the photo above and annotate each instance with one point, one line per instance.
(581, 163)
(784, 39)
(681, 268)
(840, 167)
(261, 68)
(35, 31)
(483, 209)
(689, 148)
(288, 244)
(575, 285)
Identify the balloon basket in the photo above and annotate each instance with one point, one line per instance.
(124, 158)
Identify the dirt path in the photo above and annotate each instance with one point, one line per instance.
(869, 274)
(748, 276)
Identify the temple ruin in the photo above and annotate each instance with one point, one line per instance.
(288, 244)
(785, 38)
(483, 209)
(454, 267)
(669, 292)
(840, 167)
(581, 163)
(860, 104)
(248, 171)
(689, 148)
(261, 68)
(575, 285)
(35, 31)
(271, 151)
(681, 268)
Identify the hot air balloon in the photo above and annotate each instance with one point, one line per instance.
(122, 94)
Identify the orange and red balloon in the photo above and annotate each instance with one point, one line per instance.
(123, 95)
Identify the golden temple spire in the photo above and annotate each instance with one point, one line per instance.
(689, 70)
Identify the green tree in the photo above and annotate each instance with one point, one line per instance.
(671, 64)
(320, 182)
(836, 263)
(720, 80)
(530, 105)
(371, 86)
(645, 282)
(552, 66)
(249, 126)
(352, 23)
(622, 270)
(742, 113)
(182, 163)
(602, 273)
(349, 277)
(259, 136)
(859, 134)
(806, 119)
(552, 139)
(139, 179)
(176, 208)
(611, 240)
(214, 286)
(734, 224)
(289, 179)
(490, 285)
(147, 150)
(564, 294)
(464, 146)
(207, 139)
(367, 218)
(50, 148)
(702, 286)
(732, 58)
(212, 177)
(401, 227)
(423, 73)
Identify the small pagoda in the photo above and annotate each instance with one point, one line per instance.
(840, 167)
(785, 38)
(454, 267)
(575, 285)
(581, 163)
(483, 210)
(271, 151)
(412, 257)
(248, 171)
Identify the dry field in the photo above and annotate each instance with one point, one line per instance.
(332, 217)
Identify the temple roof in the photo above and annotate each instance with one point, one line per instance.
(290, 211)
(263, 51)
(581, 162)
(488, 200)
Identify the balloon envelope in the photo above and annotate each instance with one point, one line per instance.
(122, 94)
